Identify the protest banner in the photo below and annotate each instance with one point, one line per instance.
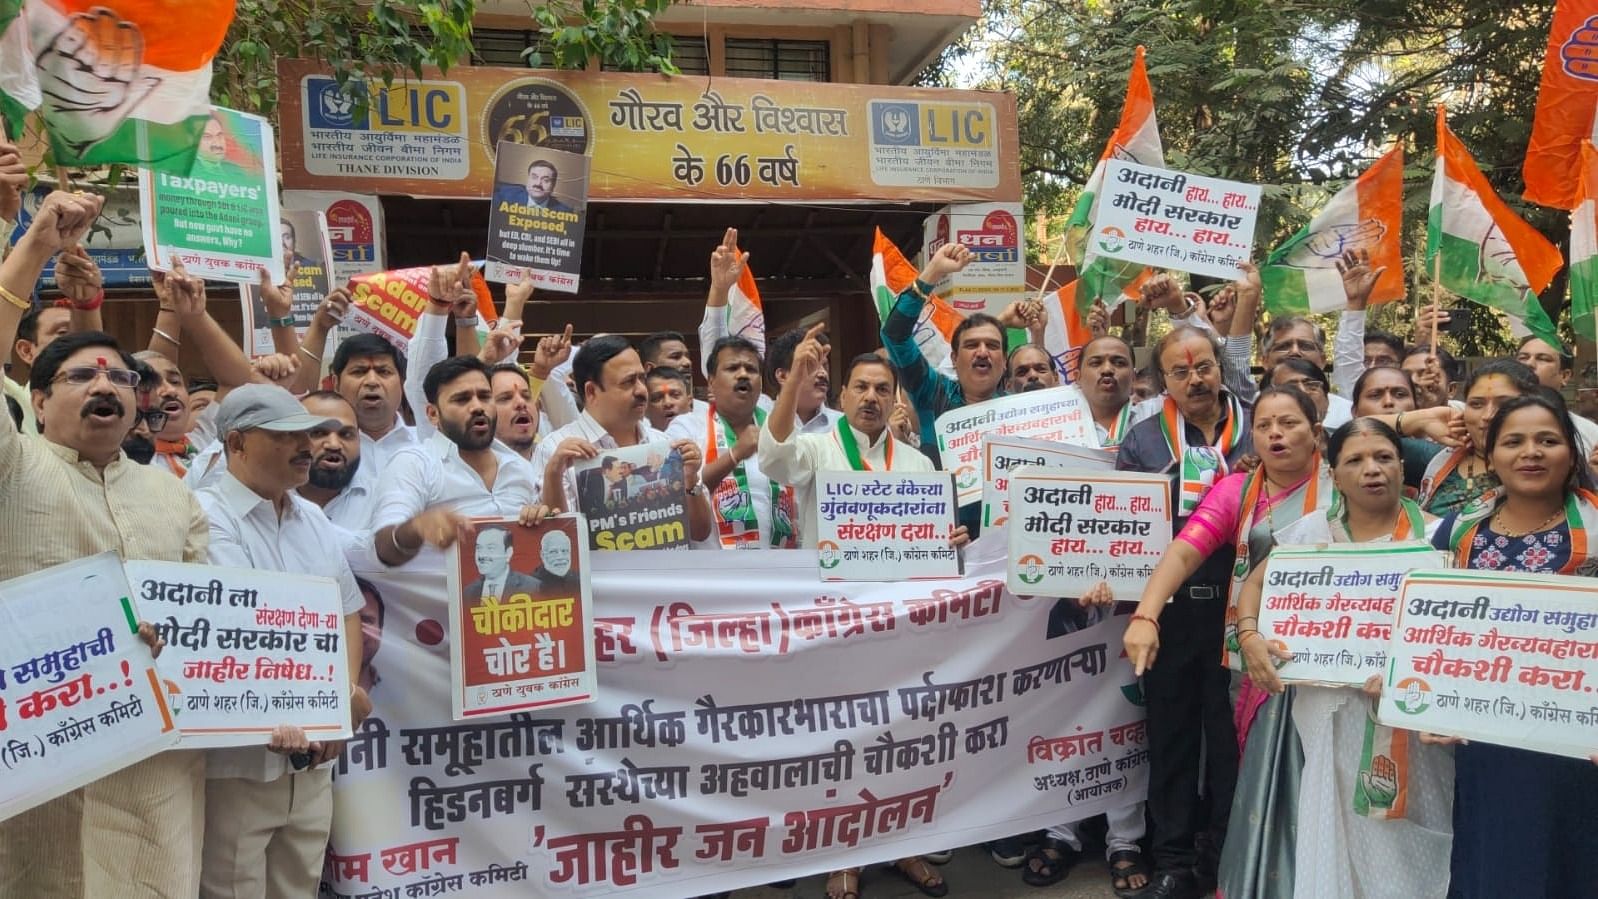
(1500, 658)
(885, 525)
(996, 276)
(537, 217)
(634, 498)
(1174, 220)
(1058, 415)
(354, 229)
(521, 611)
(79, 694)
(435, 134)
(115, 242)
(247, 650)
(1332, 607)
(1071, 529)
(741, 737)
(1002, 455)
(221, 220)
(388, 303)
(306, 255)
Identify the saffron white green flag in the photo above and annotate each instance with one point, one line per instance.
(1136, 139)
(746, 317)
(1480, 249)
(1584, 247)
(891, 273)
(115, 81)
(1301, 275)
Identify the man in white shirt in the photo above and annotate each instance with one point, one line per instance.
(752, 511)
(609, 375)
(344, 488)
(460, 471)
(266, 826)
(1553, 366)
(370, 373)
(861, 441)
(813, 414)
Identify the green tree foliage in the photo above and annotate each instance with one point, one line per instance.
(618, 33)
(1298, 96)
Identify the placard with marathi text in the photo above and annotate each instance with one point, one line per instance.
(885, 525)
(1071, 529)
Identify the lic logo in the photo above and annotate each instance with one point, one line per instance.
(332, 107)
(895, 124)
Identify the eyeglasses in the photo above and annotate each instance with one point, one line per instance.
(154, 419)
(84, 375)
(1181, 375)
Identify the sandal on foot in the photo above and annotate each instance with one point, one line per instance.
(1048, 864)
(916, 870)
(844, 884)
(1125, 865)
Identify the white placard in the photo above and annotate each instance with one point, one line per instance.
(1072, 529)
(1175, 220)
(1002, 455)
(992, 232)
(885, 525)
(247, 650)
(1059, 414)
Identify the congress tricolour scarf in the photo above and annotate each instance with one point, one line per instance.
(1481, 249)
(1136, 139)
(1581, 517)
(737, 525)
(1584, 247)
(1301, 277)
(116, 81)
(891, 273)
(1199, 467)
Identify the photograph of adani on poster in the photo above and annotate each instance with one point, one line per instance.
(536, 219)
(519, 609)
(634, 498)
(307, 255)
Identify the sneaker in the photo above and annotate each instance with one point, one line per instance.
(938, 858)
(1007, 852)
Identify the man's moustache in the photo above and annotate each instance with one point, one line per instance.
(98, 404)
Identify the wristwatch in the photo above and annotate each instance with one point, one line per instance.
(698, 489)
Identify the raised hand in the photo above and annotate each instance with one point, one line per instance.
(332, 309)
(1098, 319)
(63, 219)
(1428, 318)
(1248, 288)
(1163, 291)
(809, 357)
(691, 460)
(77, 276)
(551, 351)
(446, 286)
(13, 181)
(949, 259)
(185, 291)
(277, 298)
(1359, 279)
(727, 262)
(276, 368)
(89, 71)
(899, 421)
(502, 342)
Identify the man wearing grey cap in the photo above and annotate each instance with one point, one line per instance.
(266, 826)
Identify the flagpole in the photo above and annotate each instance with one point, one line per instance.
(1062, 253)
(1437, 288)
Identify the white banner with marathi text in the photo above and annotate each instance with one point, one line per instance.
(752, 724)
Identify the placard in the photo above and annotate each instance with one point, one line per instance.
(1071, 529)
(992, 232)
(521, 610)
(306, 261)
(79, 694)
(885, 525)
(1174, 220)
(221, 220)
(1002, 455)
(354, 229)
(247, 650)
(634, 497)
(1058, 414)
(1332, 606)
(389, 304)
(537, 217)
(1502, 658)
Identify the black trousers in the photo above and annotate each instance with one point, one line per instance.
(1192, 740)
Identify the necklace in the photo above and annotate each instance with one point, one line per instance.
(1498, 519)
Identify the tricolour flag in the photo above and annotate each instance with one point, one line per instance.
(1136, 139)
(1566, 102)
(1584, 247)
(1479, 248)
(1068, 330)
(1300, 276)
(746, 318)
(891, 273)
(116, 81)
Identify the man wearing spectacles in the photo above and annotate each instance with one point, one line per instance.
(65, 495)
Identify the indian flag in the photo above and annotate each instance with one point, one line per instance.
(1584, 246)
(1478, 248)
(1136, 139)
(746, 318)
(1300, 276)
(891, 273)
(115, 81)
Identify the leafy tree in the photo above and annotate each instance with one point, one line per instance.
(618, 33)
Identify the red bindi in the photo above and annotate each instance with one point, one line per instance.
(100, 361)
(1189, 357)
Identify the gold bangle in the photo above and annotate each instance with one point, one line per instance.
(15, 300)
(915, 287)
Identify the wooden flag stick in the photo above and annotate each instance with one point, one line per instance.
(1061, 253)
(1437, 292)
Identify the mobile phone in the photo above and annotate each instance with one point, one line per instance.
(1458, 321)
